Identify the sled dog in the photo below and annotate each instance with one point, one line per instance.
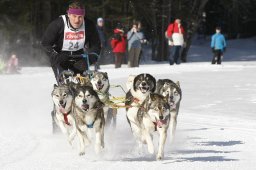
(100, 83)
(89, 116)
(143, 85)
(173, 92)
(62, 113)
(153, 115)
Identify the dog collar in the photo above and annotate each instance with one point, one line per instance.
(65, 115)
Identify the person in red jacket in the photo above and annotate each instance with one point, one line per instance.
(175, 34)
(118, 44)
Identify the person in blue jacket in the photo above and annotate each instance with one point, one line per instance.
(218, 45)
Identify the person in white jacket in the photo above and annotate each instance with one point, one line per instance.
(175, 34)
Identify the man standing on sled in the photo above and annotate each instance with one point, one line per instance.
(69, 35)
(66, 36)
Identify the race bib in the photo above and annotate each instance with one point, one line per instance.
(73, 40)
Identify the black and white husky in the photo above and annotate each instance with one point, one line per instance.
(173, 92)
(143, 85)
(62, 114)
(153, 115)
(89, 116)
(100, 83)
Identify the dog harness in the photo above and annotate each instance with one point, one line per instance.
(65, 115)
(90, 126)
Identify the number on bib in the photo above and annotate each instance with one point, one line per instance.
(72, 46)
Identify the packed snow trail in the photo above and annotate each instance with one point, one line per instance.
(216, 125)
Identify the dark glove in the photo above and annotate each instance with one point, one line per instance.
(57, 58)
(224, 49)
(213, 50)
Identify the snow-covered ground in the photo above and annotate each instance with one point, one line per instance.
(216, 125)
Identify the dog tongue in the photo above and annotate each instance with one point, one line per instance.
(160, 123)
(85, 106)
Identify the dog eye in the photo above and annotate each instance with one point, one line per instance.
(80, 96)
(103, 79)
(65, 95)
(163, 108)
(88, 95)
(57, 95)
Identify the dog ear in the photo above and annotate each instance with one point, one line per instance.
(154, 84)
(55, 86)
(106, 75)
(178, 84)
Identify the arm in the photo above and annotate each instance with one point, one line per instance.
(213, 41)
(129, 35)
(51, 35)
(170, 31)
(224, 42)
(113, 43)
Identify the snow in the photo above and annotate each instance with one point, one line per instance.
(216, 125)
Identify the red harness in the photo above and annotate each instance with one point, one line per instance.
(65, 115)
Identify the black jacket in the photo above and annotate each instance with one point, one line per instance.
(53, 37)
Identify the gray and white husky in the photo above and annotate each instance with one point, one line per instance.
(100, 83)
(153, 115)
(89, 116)
(173, 92)
(62, 114)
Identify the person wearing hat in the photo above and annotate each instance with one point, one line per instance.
(103, 40)
(118, 44)
(69, 35)
(218, 45)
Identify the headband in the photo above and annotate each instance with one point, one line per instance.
(76, 11)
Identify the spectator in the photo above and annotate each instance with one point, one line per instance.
(13, 65)
(175, 34)
(103, 40)
(118, 44)
(218, 45)
(135, 38)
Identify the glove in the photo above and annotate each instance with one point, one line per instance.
(213, 50)
(57, 58)
(224, 49)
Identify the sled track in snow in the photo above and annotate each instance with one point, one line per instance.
(14, 151)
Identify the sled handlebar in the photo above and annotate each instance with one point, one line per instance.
(83, 55)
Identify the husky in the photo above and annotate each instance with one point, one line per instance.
(173, 92)
(62, 113)
(100, 83)
(143, 85)
(153, 115)
(89, 116)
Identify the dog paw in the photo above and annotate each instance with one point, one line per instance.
(151, 149)
(159, 158)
